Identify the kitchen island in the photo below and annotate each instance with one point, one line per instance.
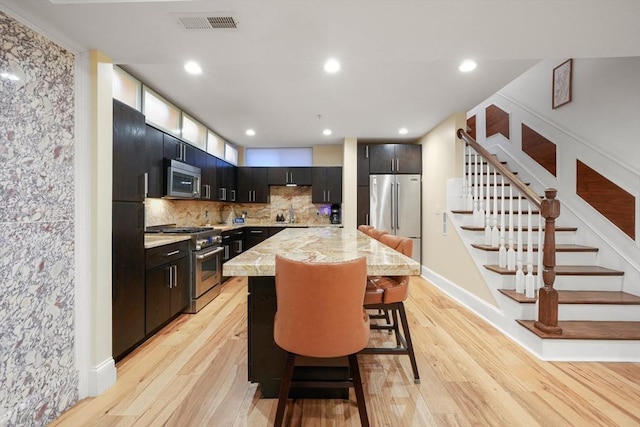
(266, 359)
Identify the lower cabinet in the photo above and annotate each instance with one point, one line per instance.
(255, 235)
(167, 283)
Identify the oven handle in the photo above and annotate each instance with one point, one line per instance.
(209, 254)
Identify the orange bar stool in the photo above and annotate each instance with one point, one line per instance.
(320, 314)
(365, 228)
(377, 234)
(388, 294)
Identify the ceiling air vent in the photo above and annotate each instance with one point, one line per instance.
(207, 21)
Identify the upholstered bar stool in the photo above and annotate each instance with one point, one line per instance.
(376, 233)
(320, 314)
(388, 294)
(365, 228)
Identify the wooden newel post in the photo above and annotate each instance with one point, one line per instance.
(548, 296)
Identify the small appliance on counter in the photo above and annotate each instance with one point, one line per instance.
(335, 216)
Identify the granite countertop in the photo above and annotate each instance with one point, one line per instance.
(155, 240)
(323, 244)
(227, 227)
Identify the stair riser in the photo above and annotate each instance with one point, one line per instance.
(568, 283)
(562, 237)
(562, 258)
(592, 312)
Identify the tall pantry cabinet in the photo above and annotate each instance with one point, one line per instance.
(128, 257)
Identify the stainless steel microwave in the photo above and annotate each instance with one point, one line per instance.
(183, 180)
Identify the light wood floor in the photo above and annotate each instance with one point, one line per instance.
(194, 373)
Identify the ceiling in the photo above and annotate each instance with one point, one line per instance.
(399, 58)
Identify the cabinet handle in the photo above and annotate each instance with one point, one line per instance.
(233, 195)
(146, 184)
(173, 253)
(366, 151)
(366, 219)
(397, 165)
(391, 165)
(226, 252)
(328, 195)
(170, 276)
(184, 152)
(175, 276)
(324, 195)
(255, 231)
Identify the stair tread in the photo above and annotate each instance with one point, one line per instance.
(559, 248)
(470, 212)
(589, 330)
(525, 228)
(581, 297)
(565, 270)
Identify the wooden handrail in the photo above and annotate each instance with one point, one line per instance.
(502, 169)
(549, 210)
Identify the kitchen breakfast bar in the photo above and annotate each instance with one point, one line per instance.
(322, 244)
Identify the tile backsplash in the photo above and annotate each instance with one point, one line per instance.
(198, 212)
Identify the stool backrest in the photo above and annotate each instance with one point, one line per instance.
(365, 228)
(377, 234)
(319, 307)
(404, 245)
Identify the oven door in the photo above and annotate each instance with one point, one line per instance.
(207, 270)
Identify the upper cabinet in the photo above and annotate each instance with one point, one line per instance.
(174, 149)
(326, 185)
(155, 162)
(129, 165)
(252, 185)
(226, 181)
(207, 164)
(289, 176)
(395, 159)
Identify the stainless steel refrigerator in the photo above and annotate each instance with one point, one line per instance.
(395, 205)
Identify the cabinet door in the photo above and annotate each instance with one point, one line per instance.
(300, 176)
(180, 290)
(245, 185)
(158, 296)
(363, 205)
(255, 235)
(408, 158)
(172, 147)
(381, 158)
(129, 163)
(260, 186)
(334, 185)
(319, 185)
(363, 164)
(155, 162)
(277, 176)
(201, 162)
(127, 293)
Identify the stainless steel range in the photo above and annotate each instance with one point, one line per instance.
(206, 262)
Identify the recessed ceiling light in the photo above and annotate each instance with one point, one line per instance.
(467, 65)
(327, 132)
(192, 67)
(332, 66)
(403, 131)
(9, 76)
(250, 132)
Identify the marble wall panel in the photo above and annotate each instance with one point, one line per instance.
(39, 380)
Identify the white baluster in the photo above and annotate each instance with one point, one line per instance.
(475, 190)
(495, 233)
(502, 252)
(511, 254)
(481, 219)
(519, 273)
(540, 252)
(529, 283)
(469, 178)
(487, 220)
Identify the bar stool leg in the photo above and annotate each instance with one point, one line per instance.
(357, 386)
(407, 336)
(285, 386)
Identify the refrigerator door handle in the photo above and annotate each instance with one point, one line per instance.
(397, 204)
(393, 209)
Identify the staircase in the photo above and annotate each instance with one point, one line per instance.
(596, 317)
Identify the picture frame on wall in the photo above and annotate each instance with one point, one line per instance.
(562, 75)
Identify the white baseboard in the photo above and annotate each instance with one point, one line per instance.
(102, 377)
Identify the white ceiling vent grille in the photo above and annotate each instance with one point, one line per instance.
(207, 21)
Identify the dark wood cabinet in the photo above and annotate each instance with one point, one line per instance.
(129, 164)
(207, 164)
(226, 181)
(252, 185)
(167, 284)
(237, 242)
(362, 205)
(127, 275)
(395, 159)
(363, 164)
(154, 155)
(255, 235)
(175, 149)
(289, 176)
(326, 185)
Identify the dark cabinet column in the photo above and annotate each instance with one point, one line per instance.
(363, 205)
(363, 164)
(155, 162)
(129, 163)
